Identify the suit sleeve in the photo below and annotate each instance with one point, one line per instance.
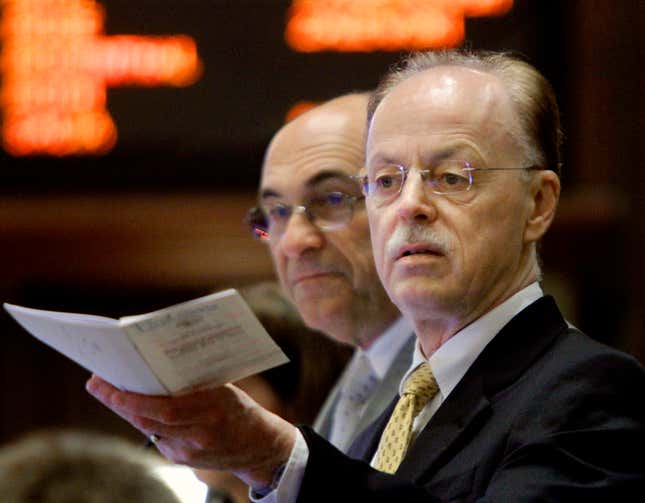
(578, 439)
(575, 440)
(331, 476)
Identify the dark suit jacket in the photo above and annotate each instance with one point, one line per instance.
(378, 400)
(544, 414)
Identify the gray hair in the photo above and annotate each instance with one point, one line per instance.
(529, 91)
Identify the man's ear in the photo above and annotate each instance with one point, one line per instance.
(544, 190)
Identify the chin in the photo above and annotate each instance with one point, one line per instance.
(417, 297)
(324, 313)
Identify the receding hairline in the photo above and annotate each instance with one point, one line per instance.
(531, 95)
(503, 94)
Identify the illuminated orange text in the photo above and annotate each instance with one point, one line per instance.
(388, 25)
(56, 64)
(299, 108)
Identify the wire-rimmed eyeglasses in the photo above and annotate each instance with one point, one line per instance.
(448, 177)
(327, 212)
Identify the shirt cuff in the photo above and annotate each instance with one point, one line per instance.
(289, 484)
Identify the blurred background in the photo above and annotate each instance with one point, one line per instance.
(128, 192)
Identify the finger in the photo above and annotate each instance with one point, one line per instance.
(177, 451)
(146, 426)
(150, 426)
(214, 404)
(126, 403)
(100, 390)
(182, 434)
(186, 409)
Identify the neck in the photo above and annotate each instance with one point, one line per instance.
(369, 330)
(434, 330)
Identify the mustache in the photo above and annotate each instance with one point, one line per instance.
(414, 234)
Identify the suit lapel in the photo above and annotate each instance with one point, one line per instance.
(381, 397)
(366, 443)
(388, 388)
(457, 414)
(518, 345)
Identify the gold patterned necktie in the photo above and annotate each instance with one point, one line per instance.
(418, 390)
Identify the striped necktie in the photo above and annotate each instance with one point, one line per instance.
(354, 395)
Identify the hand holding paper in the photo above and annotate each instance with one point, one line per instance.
(219, 429)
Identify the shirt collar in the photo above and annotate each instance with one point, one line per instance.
(386, 347)
(454, 357)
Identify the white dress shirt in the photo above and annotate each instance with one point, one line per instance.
(449, 364)
(454, 357)
(363, 373)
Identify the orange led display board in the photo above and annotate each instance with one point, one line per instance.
(387, 25)
(299, 108)
(56, 64)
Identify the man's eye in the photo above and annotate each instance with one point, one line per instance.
(279, 212)
(451, 182)
(331, 201)
(385, 182)
(452, 179)
(335, 198)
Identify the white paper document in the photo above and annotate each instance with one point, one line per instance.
(204, 342)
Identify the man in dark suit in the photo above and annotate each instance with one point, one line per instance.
(504, 401)
(461, 182)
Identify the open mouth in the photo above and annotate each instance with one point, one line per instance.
(417, 252)
(408, 252)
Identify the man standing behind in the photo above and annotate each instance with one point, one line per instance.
(312, 215)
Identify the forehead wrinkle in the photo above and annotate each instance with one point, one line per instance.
(450, 149)
(323, 176)
(329, 126)
(304, 157)
(311, 183)
(323, 151)
(328, 138)
(322, 159)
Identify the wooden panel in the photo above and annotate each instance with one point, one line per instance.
(167, 240)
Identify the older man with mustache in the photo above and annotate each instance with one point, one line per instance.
(504, 401)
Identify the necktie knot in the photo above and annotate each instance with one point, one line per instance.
(422, 385)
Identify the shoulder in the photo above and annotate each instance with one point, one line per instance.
(576, 358)
(580, 384)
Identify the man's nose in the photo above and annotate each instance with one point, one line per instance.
(416, 202)
(300, 234)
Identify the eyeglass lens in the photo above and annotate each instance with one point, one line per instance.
(328, 211)
(447, 177)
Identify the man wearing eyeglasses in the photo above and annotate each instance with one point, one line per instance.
(311, 213)
(504, 401)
